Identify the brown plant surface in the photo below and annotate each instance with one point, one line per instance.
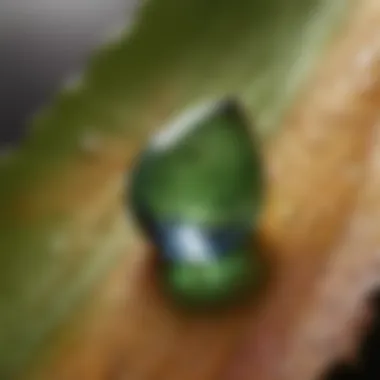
(320, 229)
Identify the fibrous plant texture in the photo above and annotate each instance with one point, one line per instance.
(77, 300)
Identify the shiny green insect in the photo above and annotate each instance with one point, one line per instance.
(197, 191)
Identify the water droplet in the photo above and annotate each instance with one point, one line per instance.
(181, 126)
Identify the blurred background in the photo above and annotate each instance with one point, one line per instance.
(42, 44)
(45, 42)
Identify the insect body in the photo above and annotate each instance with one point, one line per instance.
(198, 197)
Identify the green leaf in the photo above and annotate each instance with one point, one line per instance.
(54, 245)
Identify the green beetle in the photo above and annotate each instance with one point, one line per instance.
(196, 192)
